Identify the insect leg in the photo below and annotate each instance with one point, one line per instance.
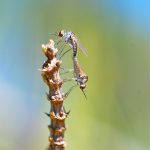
(59, 40)
(67, 93)
(66, 80)
(65, 53)
(63, 47)
(69, 70)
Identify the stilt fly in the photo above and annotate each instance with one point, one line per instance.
(79, 76)
(71, 39)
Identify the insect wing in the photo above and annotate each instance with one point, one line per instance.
(84, 50)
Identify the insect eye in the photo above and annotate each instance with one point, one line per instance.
(61, 33)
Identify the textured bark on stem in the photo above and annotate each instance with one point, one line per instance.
(50, 75)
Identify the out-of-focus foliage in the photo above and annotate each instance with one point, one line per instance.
(116, 33)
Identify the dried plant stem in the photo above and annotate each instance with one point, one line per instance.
(50, 74)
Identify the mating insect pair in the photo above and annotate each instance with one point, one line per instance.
(79, 76)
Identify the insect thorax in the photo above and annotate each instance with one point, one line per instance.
(67, 36)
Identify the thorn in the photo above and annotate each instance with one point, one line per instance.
(40, 70)
(48, 96)
(47, 114)
(43, 70)
(68, 112)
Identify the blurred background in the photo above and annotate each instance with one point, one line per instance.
(116, 114)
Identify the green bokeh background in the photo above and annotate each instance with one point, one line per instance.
(116, 33)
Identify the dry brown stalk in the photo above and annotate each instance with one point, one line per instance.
(50, 75)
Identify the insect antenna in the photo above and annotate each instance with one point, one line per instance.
(53, 34)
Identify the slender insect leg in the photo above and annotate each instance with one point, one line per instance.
(66, 80)
(66, 70)
(62, 68)
(67, 93)
(62, 49)
(59, 40)
(75, 79)
(69, 70)
(65, 53)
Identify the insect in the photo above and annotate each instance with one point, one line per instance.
(71, 39)
(79, 76)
